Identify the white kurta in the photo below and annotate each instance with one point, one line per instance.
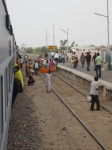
(48, 81)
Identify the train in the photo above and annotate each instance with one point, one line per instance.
(8, 49)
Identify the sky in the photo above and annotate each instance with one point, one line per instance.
(32, 18)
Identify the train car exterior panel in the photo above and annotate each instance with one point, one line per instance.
(5, 38)
(7, 61)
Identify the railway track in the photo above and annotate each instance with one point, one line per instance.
(79, 91)
(77, 117)
(102, 142)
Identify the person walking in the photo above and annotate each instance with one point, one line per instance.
(94, 94)
(51, 64)
(30, 80)
(48, 81)
(98, 61)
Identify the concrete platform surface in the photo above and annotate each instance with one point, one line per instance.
(106, 75)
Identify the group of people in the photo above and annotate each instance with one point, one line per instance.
(97, 62)
(86, 58)
(33, 68)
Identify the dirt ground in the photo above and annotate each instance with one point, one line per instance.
(39, 121)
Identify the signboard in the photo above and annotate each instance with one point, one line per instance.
(52, 47)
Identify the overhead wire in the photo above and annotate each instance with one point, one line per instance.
(92, 37)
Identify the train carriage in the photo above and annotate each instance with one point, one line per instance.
(7, 61)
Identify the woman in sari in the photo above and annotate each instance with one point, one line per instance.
(51, 64)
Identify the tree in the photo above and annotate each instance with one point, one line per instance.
(63, 43)
(29, 50)
(73, 43)
(64, 48)
(43, 49)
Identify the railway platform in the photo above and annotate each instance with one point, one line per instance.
(106, 75)
(105, 80)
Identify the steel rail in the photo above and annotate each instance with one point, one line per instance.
(74, 114)
(79, 91)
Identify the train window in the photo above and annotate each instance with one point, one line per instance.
(9, 48)
(9, 76)
(1, 108)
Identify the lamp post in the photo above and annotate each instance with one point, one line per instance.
(67, 36)
(107, 16)
(108, 36)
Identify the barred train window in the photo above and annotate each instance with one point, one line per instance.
(1, 108)
(8, 76)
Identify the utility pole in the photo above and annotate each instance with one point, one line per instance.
(53, 37)
(46, 40)
(67, 36)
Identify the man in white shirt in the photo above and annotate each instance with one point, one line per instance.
(36, 68)
(52, 54)
(56, 57)
(94, 94)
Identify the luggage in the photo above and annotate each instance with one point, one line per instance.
(44, 70)
(31, 81)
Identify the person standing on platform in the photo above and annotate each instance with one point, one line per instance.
(88, 60)
(94, 57)
(94, 94)
(82, 59)
(98, 61)
(52, 54)
(46, 55)
(63, 57)
(56, 57)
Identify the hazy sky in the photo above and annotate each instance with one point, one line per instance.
(31, 18)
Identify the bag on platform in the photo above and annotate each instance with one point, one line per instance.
(88, 99)
(31, 81)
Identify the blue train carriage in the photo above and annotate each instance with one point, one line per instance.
(7, 61)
